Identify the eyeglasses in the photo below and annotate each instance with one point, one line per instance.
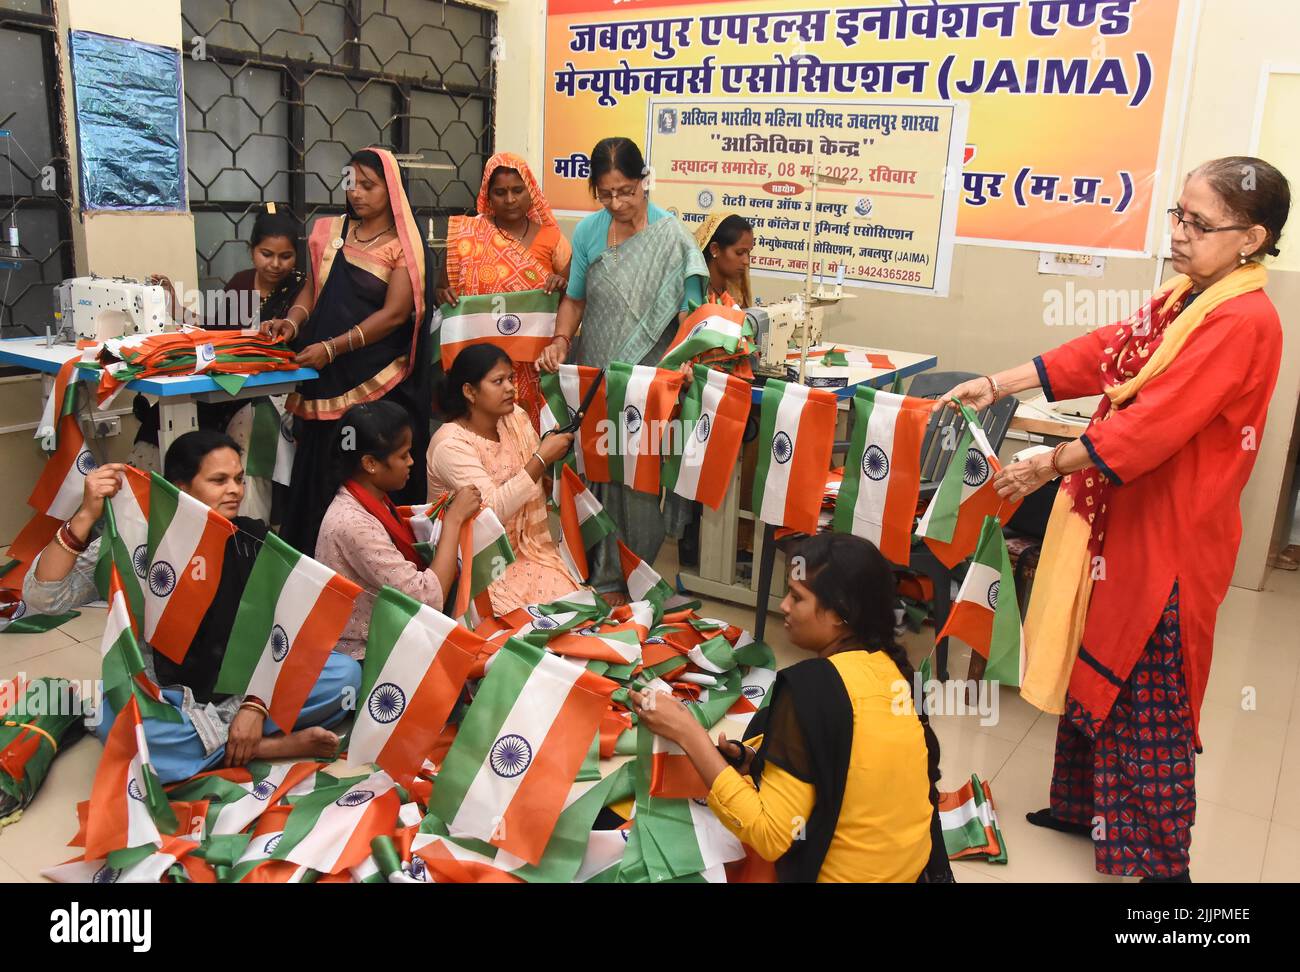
(1197, 230)
(605, 198)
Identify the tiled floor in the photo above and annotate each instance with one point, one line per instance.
(1248, 780)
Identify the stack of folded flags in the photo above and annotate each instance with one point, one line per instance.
(970, 824)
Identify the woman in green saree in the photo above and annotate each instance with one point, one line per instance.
(636, 270)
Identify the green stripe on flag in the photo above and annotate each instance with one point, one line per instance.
(263, 440)
(520, 302)
(864, 400)
(256, 614)
(773, 391)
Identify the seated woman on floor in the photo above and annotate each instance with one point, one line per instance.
(841, 748)
(489, 442)
(363, 537)
(215, 729)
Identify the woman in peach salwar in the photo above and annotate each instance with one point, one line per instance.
(512, 244)
(489, 442)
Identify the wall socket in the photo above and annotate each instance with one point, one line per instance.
(108, 427)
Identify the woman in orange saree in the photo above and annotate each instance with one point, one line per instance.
(512, 244)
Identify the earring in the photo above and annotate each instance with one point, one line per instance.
(1242, 254)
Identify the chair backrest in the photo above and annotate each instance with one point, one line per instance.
(995, 419)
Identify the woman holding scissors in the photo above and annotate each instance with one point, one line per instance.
(489, 442)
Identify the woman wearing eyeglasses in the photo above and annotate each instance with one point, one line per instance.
(1144, 533)
(635, 270)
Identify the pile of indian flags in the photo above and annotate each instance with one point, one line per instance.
(970, 824)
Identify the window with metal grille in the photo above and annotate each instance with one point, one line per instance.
(34, 191)
(279, 93)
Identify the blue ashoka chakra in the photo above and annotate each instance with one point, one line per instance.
(993, 594)
(20, 609)
(632, 418)
(286, 427)
(354, 798)
(418, 870)
(591, 630)
(535, 611)
(133, 790)
(85, 463)
(702, 428)
(510, 755)
(977, 468)
(279, 643)
(263, 789)
(386, 703)
(106, 875)
(752, 692)
(140, 561)
(509, 324)
(697, 329)
(875, 464)
(544, 623)
(655, 641)
(699, 803)
(782, 448)
(162, 578)
(625, 834)
(269, 847)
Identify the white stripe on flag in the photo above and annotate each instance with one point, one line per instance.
(959, 816)
(788, 413)
(869, 512)
(717, 844)
(980, 579)
(642, 440)
(235, 816)
(176, 548)
(140, 828)
(332, 830)
(67, 500)
(695, 450)
(295, 603)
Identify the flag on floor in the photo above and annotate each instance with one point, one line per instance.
(970, 824)
(127, 801)
(186, 548)
(952, 522)
(238, 796)
(15, 618)
(614, 642)
(519, 748)
(563, 392)
(640, 403)
(643, 582)
(289, 619)
(331, 828)
(882, 476)
(583, 522)
(255, 865)
(522, 324)
(714, 412)
(123, 667)
(985, 614)
(796, 435)
(417, 660)
(97, 870)
(709, 327)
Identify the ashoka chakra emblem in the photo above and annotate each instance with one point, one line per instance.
(510, 755)
(509, 324)
(977, 468)
(272, 841)
(655, 641)
(279, 643)
(20, 609)
(535, 611)
(752, 692)
(106, 875)
(133, 790)
(263, 789)
(418, 870)
(85, 463)
(698, 802)
(702, 428)
(162, 578)
(543, 623)
(386, 702)
(782, 448)
(140, 561)
(632, 418)
(875, 464)
(698, 328)
(354, 798)
(993, 594)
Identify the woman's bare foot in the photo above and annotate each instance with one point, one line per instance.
(313, 741)
(616, 599)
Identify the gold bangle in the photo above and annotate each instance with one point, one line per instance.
(256, 707)
(58, 537)
(329, 349)
(360, 333)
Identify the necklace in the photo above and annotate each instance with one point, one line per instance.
(522, 237)
(356, 237)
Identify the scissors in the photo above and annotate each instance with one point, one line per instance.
(578, 416)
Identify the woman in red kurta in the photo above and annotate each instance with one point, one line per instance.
(1146, 526)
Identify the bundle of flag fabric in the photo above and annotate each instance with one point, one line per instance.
(830, 356)
(796, 435)
(713, 335)
(37, 718)
(970, 824)
(482, 544)
(985, 614)
(521, 324)
(58, 492)
(227, 357)
(583, 521)
(714, 411)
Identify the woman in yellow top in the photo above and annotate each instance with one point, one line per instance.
(844, 761)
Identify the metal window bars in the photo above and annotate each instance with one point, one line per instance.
(279, 93)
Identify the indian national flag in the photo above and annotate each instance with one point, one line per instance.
(124, 672)
(59, 490)
(97, 870)
(289, 620)
(330, 829)
(672, 774)
(271, 445)
(985, 614)
(125, 542)
(416, 664)
(238, 796)
(796, 435)
(755, 691)
(522, 324)
(707, 328)
(256, 865)
(483, 539)
(583, 521)
(519, 748)
(563, 392)
(882, 477)
(184, 552)
(970, 823)
(640, 401)
(127, 801)
(615, 642)
(714, 411)
(643, 582)
(953, 520)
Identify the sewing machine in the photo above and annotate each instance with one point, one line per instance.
(98, 308)
(779, 327)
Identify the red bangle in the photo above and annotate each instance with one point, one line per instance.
(70, 538)
(1055, 455)
(565, 339)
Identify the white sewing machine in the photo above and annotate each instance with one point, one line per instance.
(777, 326)
(98, 308)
